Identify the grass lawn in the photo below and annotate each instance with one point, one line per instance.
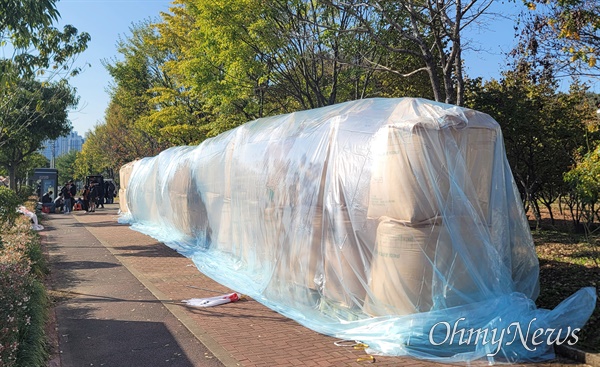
(568, 262)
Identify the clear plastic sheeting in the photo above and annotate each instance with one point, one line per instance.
(395, 222)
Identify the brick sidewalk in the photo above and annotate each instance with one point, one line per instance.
(244, 333)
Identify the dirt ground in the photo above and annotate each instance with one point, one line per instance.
(569, 260)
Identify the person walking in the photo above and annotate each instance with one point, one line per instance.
(100, 196)
(93, 196)
(109, 192)
(86, 198)
(73, 190)
(66, 193)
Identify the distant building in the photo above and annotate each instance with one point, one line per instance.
(63, 145)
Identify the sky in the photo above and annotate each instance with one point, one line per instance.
(107, 20)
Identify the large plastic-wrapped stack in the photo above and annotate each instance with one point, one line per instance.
(124, 176)
(387, 221)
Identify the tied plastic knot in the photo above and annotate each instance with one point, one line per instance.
(347, 343)
(355, 344)
(360, 346)
(367, 358)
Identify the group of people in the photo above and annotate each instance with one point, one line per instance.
(92, 196)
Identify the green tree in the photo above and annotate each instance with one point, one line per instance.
(9, 201)
(46, 118)
(167, 113)
(212, 67)
(543, 131)
(65, 164)
(92, 159)
(562, 36)
(583, 180)
(32, 48)
(27, 34)
(248, 59)
(429, 31)
(313, 55)
(27, 168)
(113, 143)
(136, 77)
(21, 18)
(119, 139)
(26, 171)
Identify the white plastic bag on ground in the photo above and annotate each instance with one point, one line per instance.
(212, 301)
(35, 226)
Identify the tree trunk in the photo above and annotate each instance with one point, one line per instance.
(560, 207)
(460, 83)
(549, 207)
(449, 86)
(12, 177)
(538, 216)
(435, 83)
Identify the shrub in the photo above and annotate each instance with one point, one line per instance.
(9, 201)
(32, 349)
(23, 301)
(15, 281)
(27, 193)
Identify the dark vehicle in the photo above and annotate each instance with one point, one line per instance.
(94, 178)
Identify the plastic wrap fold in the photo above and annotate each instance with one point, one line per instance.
(395, 222)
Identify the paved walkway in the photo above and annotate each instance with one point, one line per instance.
(120, 305)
